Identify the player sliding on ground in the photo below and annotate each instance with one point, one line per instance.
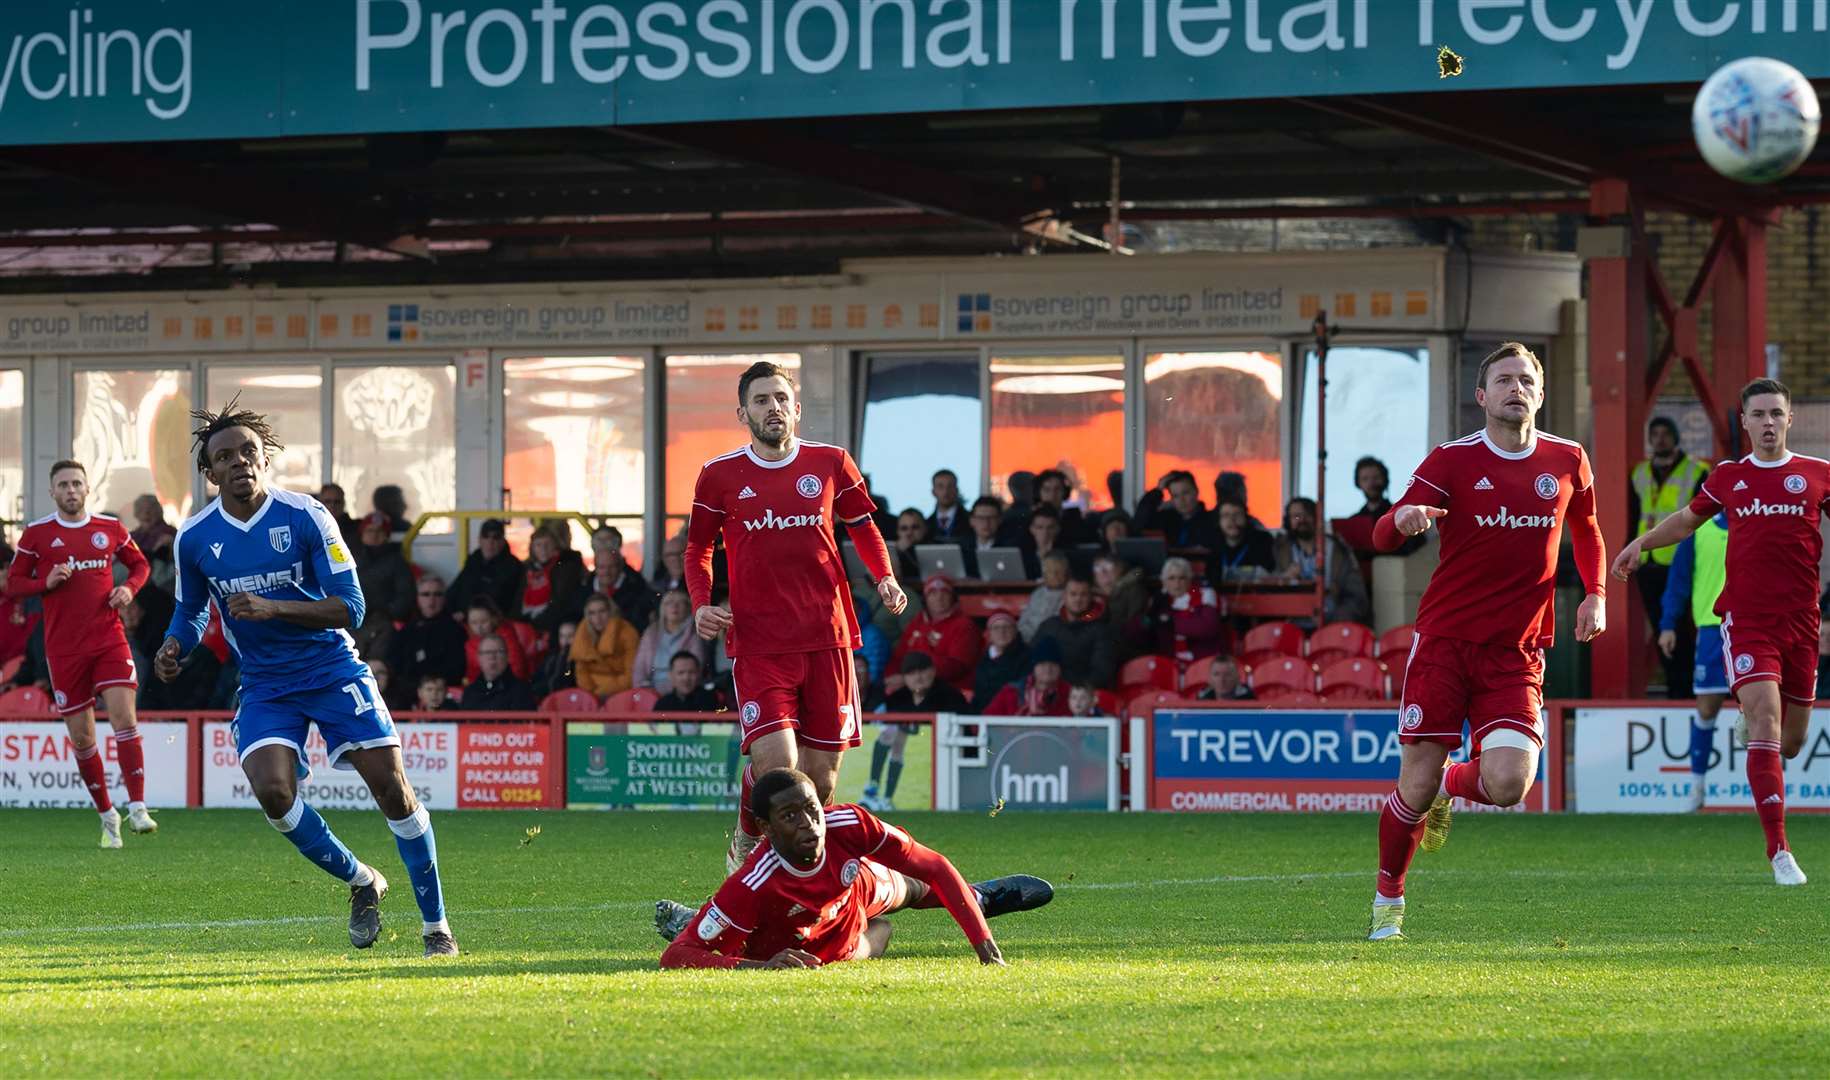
(1773, 499)
(275, 566)
(67, 559)
(1502, 497)
(818, 892)
(789, 624)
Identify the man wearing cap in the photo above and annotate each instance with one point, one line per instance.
(942, 631)
(491, 571)
(1042, 693)
(921, 692)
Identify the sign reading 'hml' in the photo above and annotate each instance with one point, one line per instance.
(125, 70)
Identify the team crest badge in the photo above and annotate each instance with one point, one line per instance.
(1547, 486)
(1795, 484)
(849, 872)
(1744, 663)
(809, 486)
(100, 542)
(58, 696)
(1413, 717)
(751, 711)
(600, 761)
(281, 538)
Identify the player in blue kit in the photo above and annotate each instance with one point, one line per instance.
(275, 566)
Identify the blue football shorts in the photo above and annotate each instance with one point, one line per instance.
(1711, 675)
(349, 717)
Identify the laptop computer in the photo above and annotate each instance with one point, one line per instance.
(1002, 564)
(1145, 552)
(940, 559)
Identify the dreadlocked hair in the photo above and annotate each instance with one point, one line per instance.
(230, 417)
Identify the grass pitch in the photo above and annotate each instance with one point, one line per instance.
(1175, 946)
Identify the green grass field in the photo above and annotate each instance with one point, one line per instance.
(1175, 946)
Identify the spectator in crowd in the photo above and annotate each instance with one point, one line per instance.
(945, 633)
(334, 500)
(1296, 549)
(1183, 620)
(605, 541)
(1014, 531)
(922, 691)
(134, 623)
(383, 678)
(603, 650)
(1044, 539)
(491, 571)
(392, 502)
(433, 641)
(434, 694)
(496, 688)
(1052, 491)
(145, 620)
(870, 688)
(686, 690)
(911, 529)
(17, 624)
(986, 519)
(672, 574)
(1151, 502)
(614, 579)
(1664, 482)
(1231, 485)
(550, 584)
(1122, 587)
(555, 671)
(880, 514)
(1080, 633)
(1006, 659)
(874, 644)
(948, 521)
(1042, 693)
(1185, 522)
(387, 586)
(1045, 599)
(1374, 480)
(1083, 700)
(1243, 552)
(1114, 525)
(485, 622)
(154, 539)
(670, 633)
(1224, 682)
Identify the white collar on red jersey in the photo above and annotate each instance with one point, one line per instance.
(1781, 463)
(750, 452)
(1511, 455)
(788, 865)
(59, 518)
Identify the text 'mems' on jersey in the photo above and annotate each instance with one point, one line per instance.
(788, 587)
(1496, 580)
(289, 550)
(1774, 545)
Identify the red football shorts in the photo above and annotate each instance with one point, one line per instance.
(75, 680)
(813, 693)
(1447, 681)
(1778, 646)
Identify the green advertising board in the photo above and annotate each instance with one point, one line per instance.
(650, 770)
(133, 70)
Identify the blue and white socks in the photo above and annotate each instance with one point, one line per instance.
(413, 836)
(306, 829)
(1702, 740)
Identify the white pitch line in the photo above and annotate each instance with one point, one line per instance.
(283, 920)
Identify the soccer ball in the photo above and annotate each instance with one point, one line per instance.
(1755, 120)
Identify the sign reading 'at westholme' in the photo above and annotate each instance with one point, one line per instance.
(125, 70)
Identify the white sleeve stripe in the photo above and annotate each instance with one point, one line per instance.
(1414, 476)
(709, 509)
(859, 484)
(178, 565)
(718, 912)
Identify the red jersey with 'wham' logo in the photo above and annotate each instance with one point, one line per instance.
(1773, 539)
(788, 587)
(77, 618)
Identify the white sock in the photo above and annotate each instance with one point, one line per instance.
(364, 876)
(439, 927)
(1381, 900)
(110, 810)
(136, 807)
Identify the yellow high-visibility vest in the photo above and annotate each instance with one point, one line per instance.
(1656, 500)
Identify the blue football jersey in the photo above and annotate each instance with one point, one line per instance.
(289, 550)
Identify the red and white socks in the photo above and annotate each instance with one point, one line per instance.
(95, 776)
(1462, 780)
(1766, 779)
(132, 754)
(1400, 828)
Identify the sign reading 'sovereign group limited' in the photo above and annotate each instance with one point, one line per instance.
(122, 70)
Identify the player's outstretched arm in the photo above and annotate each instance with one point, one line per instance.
(330, 613)
(1403, 521)
(876, 557)
(934, 870)
(1676, 526)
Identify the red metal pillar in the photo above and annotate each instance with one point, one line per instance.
(1618, 360)
(1739, 339)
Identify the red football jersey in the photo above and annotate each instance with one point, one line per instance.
(769, 905)
(1773, 539)
(788, 586)
(77, 618)
(1506, 511)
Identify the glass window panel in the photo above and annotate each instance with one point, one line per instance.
(133, 434)
(289, 396)
(921, 414)
(702, 415)
(12, 444)
(1209, 412)
(1378, 405)
(1062, 412)
(394, 424)
(573, 434)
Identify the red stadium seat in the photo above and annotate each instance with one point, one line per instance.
(1357, 678)
(1257, 658)
(1351, 638)
(1151, 700)
(631, 702)
(1108, 702)
(1289, 673)
(1287, 696)
(1195, 677)
(1282, 637)
(25, 700)
(11, 668)
(1396, 641)
(1320, 660)
(1146, 672)
(569, 700)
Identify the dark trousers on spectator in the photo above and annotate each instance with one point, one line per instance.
(1681, 664)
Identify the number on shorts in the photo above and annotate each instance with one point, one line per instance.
(354, 690)
(849, 726)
